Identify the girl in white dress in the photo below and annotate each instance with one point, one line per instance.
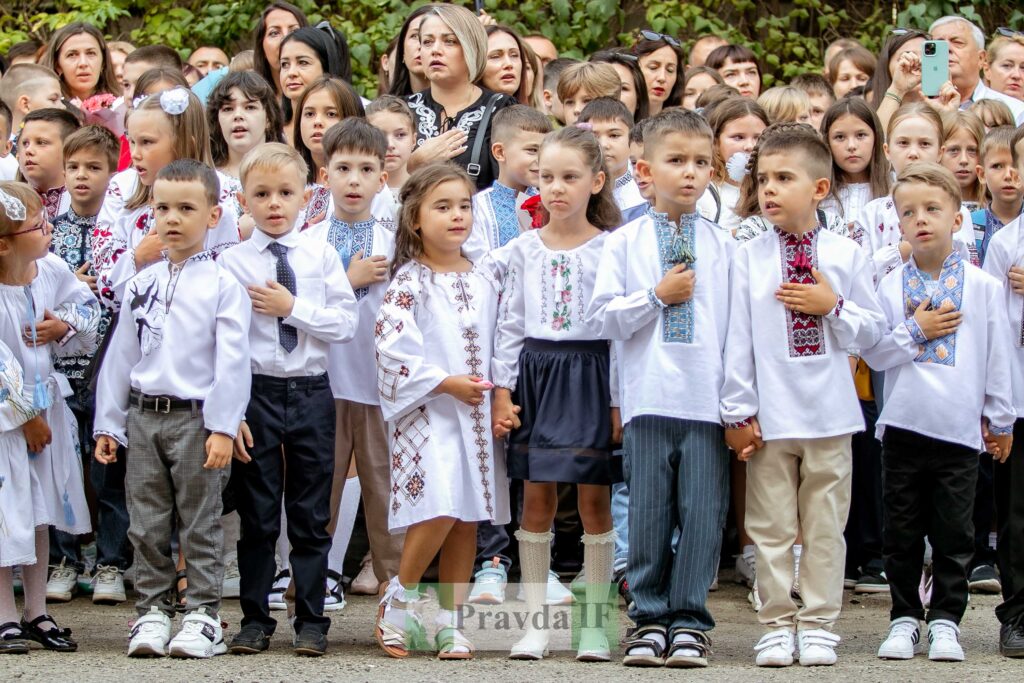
(433, 341)
(555, 367)
(44, 308)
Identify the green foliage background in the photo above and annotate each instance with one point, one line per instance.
(789, 36)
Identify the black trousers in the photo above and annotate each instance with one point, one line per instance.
(928, 489)
(984, 512)
(864, 527)
(292, 424)
(1009, 488)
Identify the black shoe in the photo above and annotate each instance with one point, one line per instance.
(872, 583)
(12, 639)
(53, 638)
(310, 642)
(249, 641)
(1011, 639)
(984, 580)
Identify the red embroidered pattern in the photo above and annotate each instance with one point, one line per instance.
(799, 253)
(51, 201)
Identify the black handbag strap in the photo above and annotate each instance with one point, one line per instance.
(473, 168)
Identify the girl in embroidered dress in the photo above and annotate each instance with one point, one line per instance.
(553, 366)
(433, 343)
(163, 127)
(44, 307)
(859, 168)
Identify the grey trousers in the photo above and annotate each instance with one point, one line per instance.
(677, 472)
(165, 478)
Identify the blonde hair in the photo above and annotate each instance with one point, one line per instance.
(932, 175)
(24, 193)
(271, 156)
(191, 138)
(470, 34)
(967, 121)
(785, 104)
(916, 110)
(1000, 43)
(19, 78)
(121, 46)
(597, 78)
(993, 113)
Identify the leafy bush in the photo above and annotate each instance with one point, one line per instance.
(788, 37)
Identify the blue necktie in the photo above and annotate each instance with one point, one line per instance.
(287, 335)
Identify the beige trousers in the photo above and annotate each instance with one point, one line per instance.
(800, 486)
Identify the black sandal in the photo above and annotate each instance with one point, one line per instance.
(178, 592)
(640, 640)
(12, 639)
(701, 643)
(55, 638)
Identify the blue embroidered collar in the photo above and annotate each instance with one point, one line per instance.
(355, 227)
(624, 180)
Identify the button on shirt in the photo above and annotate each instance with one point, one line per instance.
(324, 311)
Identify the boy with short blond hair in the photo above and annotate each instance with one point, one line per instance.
(802, 303)
(948, 396)
(302, 304)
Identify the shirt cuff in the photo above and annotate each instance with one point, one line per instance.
(915, 331)
(834, 313)
(653, 298)
(745, 422)
(996, 430)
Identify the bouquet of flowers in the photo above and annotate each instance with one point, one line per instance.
(100, 110)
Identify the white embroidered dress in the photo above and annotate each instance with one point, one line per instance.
(17, 522)
(58, 494)
(443, 461)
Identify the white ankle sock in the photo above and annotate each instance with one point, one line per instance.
(34, 576)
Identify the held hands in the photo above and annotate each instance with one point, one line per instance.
(106, 450)
(1016, 279)
(466, 388)
(816, 299)
(273, 300)
(83, 275)
(51, 329)
(242, 441)
(218, 451)
(998, 446)
(366, 271)
(937, 323)
(677, 285)
(148, 250)
(504, 414)
(745, 440)
(37, 434)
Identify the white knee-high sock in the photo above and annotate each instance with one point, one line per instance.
(535, 562)
(346, 521)
(8, 610)
(34, 577)
(598, 556)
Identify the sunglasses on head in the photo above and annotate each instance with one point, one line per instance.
(1009, 32)
(653, 35)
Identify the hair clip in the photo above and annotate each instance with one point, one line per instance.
(738, 166)
(13, 207)
(584, 125)
(174, 101)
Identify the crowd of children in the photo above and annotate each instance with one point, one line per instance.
(611, 299)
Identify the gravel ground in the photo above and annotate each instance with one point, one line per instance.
(354, 656)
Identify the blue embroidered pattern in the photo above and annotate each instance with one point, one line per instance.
(676, 244)
(351, 239)
(950, 287)
(506, 223)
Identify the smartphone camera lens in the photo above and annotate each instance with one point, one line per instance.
(929, 48)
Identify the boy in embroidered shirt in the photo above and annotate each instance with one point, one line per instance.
(173, 388)
(662, 294)
(516, 136)
(355, 154)
(41, 157)
(802, 302)
(90, 158)
(302, 303)
(612, 124)
(946, 345)
(996, 170)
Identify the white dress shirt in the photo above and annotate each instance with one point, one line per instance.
(324, 311)
(1005, 250)
(983, 92)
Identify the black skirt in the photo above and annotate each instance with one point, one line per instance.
(565, 408)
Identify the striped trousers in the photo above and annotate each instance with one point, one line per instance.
(678, 477)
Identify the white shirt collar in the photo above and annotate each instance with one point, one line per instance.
(262, 240)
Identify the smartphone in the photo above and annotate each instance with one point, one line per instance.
(934, 66)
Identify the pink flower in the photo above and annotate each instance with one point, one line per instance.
(558, 323)
(566, 296)
(93, 104)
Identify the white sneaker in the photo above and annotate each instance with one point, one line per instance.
(63, 583)
(746, 566)
(150, 635)
(903, 641)
(231, 588)
(489, 584)
(557, 593)
(944, 637)
(817, 647)
(200, 636)
(334, 600)
(775, 648)
(107, 586)
(276, 596)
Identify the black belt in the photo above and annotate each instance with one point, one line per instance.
(164, 404)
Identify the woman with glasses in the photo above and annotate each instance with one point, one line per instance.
(660, 58)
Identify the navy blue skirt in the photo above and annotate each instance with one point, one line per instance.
(565, 410)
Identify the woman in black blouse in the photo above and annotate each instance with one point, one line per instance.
(450, 114)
